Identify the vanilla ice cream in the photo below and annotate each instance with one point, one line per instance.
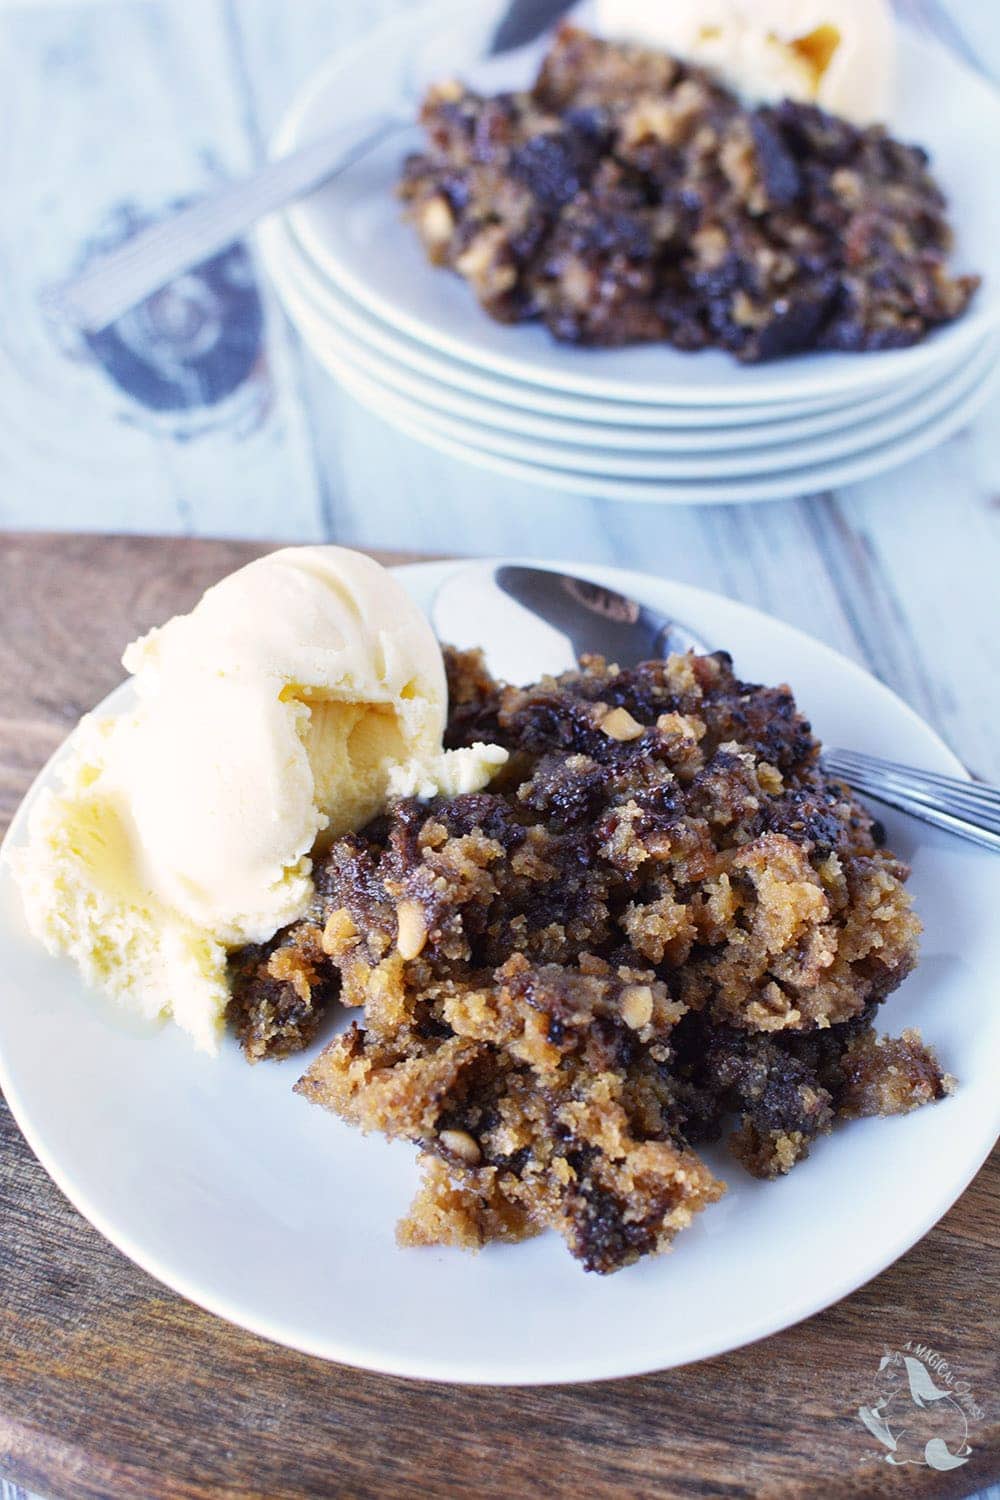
(298, 695)
(839, 54)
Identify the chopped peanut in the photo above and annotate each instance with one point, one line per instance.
(412, 929)
(637, 1006)
(461, 1144)
(339, 932)
(619, 724)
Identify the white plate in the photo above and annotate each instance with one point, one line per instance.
(499, 431)
(478, 445)
(353, 229)
(926, 422)
(221, 1183)
(284, 257)
(322, 314)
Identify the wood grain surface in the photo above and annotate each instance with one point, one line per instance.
(112, 1386)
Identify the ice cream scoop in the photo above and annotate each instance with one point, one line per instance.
(839, 54)
(298, 696)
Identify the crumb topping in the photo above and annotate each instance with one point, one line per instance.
(627, 197)
(633, 943)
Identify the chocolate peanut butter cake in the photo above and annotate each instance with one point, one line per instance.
(628, 197)
(661, 924)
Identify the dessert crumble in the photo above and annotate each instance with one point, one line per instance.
(627, 197)
(662, 924)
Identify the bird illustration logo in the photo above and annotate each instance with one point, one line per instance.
(915, 1420)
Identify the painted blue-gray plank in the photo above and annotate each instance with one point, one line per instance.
(110, 112)
(120, 107)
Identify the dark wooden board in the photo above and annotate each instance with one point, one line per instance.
(112, 1386)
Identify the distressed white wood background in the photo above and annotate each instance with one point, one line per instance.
(105, 102)
(111, 107)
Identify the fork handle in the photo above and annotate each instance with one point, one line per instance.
(154, 257)
(967, 808)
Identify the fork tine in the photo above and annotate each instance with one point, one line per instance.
(986, 837)
(977, 816)
(963, 798)
(871, 763)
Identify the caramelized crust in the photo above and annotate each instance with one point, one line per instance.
(627, 197)
(660, 921)
(279, 992)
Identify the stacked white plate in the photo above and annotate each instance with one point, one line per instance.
(643, 423)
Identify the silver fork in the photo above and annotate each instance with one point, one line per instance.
(155, 257)
(593, 618)
(968, 808)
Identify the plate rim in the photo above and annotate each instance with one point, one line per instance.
(293, 277)
(973, 388)
(929, 404)
(792, 484)
(533, 398)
